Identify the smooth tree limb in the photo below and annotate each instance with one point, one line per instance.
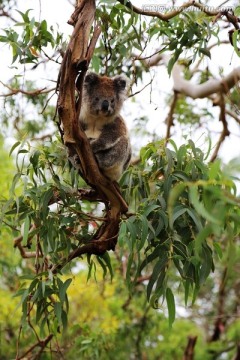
(157, 10)
(209, 87)
(214, 89)
(73, 69)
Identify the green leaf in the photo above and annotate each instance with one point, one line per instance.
(196, 218)
(144, 232)
(37, 294)
(34, 159)
(64, 320)
(103, 266)
(25, 15)
(173, 196)
(170, 163)
(133, 233)
(14, 147)
(122, 233)
(187, 284)
(107, 260)
(58, 312)
(218, 250)
(16, 178)
(205, 51)
(148, 209)
(237, 11)
(152, 256)
(178, 211)
(63, 289)
(171, 306)
(235, 36)
(207, 262)
(42, 327)
(201, 238)
(45, 202)
(199, 206)
(43, 287)
(158, 268)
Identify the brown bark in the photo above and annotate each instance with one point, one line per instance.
(76, 59)
(189, 351)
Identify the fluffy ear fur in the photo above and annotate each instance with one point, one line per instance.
(91, 78)
(121, 82)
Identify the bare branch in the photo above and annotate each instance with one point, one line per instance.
(138, 92)
(169, 15)
(42, 344)
(225, 131)
(233, 115)
(169, 119)
(221, 319)
(211, 86)
(29, 93)
(7, 14)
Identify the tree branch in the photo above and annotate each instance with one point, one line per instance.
(189, 351)
(76, 59)
(211, 86)
(29, 93)
(169, 119)
(42, 344)
(225, 131)
(169, 15)
(221, 319)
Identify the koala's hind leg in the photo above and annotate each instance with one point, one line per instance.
(113, 160)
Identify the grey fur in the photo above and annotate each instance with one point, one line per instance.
(102, 101)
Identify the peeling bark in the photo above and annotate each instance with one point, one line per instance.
(74, 67)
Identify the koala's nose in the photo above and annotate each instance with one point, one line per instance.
(105, 105)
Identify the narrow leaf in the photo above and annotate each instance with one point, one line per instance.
(63, 290)
(171, 306)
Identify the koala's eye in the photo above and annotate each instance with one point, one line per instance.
(96, 98)
(112, 101)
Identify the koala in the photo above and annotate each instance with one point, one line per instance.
(102, 100)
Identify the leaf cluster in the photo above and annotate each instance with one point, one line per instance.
(27, 45)
(184, 209)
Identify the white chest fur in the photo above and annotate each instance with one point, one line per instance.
(93, 132)
(93, 123)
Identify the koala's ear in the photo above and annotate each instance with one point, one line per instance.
(91, 78)
(121, 83)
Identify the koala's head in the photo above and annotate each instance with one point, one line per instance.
(104, 96)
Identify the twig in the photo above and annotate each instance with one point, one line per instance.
(138, 92)
(220, 320)
(169, 119)
(233, 115)
(142, 324)
(17, 243)
(6, 14)
(29, 93)
(42, 344)
(96, 247)
(225, 131)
